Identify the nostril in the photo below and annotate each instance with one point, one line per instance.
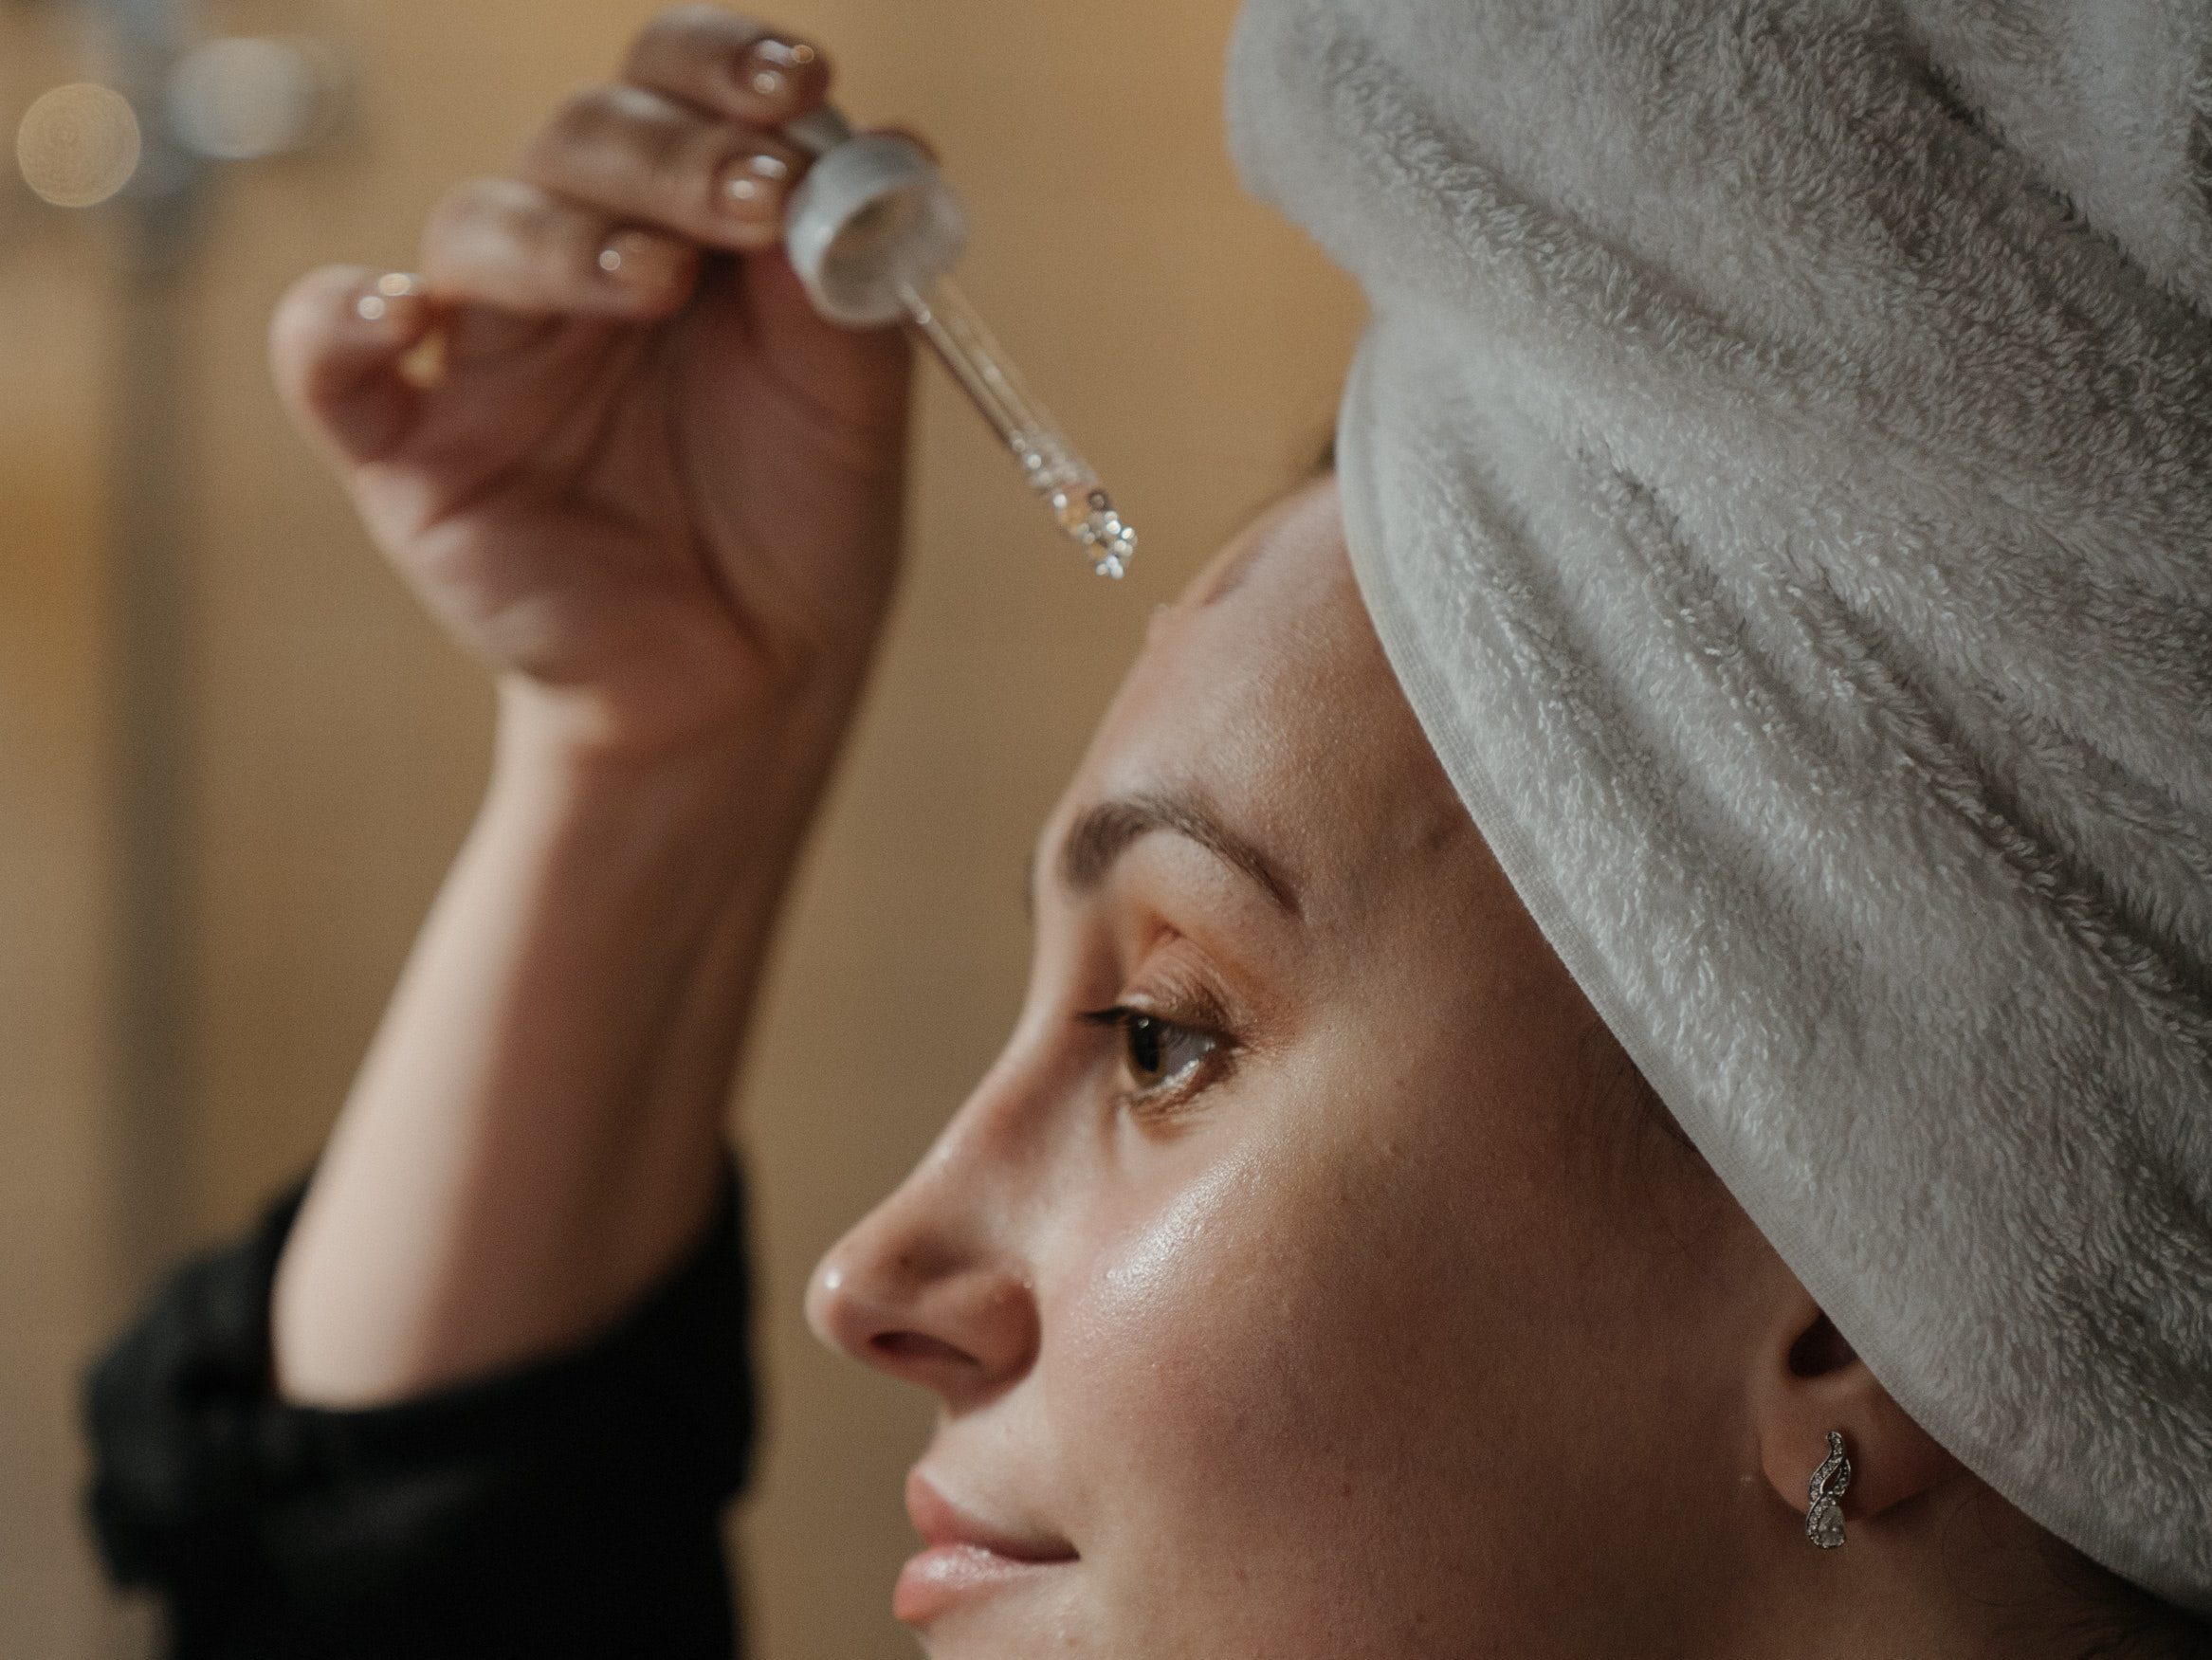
(895, 1347)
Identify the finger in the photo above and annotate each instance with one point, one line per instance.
(859, 374)
(506, 243)
(338, 344)
(641, 156)
(733, 66)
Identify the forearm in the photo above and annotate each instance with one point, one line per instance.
(536, 1132)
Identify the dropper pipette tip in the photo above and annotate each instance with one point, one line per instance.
(1049, 463)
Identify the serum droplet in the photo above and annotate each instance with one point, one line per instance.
(1080, 505)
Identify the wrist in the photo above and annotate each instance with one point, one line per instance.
(745, 788)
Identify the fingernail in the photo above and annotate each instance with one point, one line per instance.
(376, 305)
(639, 260)
(767, 66)
(752, 186)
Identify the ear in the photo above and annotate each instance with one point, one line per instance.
(1810, 1382)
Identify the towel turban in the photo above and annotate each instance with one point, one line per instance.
(1779, 465)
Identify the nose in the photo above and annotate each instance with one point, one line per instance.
(919, 1289)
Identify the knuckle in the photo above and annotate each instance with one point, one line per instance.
(603, 123)
(581, 119)
(660, 135)
(465, 205)
(480, 220)
(685, 25)
(658, 51)
(458, 219)
(683, 43)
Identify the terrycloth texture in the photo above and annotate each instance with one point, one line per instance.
(1780, 468)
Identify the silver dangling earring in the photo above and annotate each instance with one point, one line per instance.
(1824, 1517)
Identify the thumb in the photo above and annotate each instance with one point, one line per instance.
(338, 346)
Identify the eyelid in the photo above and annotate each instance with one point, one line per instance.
(1164, 1099)
(1207, 1021)
(1180, 998)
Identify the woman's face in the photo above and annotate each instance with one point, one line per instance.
(1293, 1283)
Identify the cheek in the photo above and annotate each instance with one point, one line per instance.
(1309, 1364)
(1185, 1366)
(1261, 1381)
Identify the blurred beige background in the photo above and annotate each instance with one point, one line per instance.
(336, 746)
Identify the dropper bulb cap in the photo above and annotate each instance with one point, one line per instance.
(872, 221)
(872, 230)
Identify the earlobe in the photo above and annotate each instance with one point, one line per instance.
(1813, 1384)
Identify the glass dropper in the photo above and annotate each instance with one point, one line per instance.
(872, 230)
(1068, 484)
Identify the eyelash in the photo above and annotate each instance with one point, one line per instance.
(1176, 1087)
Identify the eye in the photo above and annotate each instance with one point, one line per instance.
(1161, 1056)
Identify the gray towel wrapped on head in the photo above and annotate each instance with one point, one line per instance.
(1780, 469)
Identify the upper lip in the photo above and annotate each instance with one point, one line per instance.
(939, 1520)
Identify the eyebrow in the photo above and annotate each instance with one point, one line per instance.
(1102, 834)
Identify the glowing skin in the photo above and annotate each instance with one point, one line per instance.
(1297, 1283)
(1351, 1308)
(1297, 1355)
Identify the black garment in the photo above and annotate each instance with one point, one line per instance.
(568, 1507)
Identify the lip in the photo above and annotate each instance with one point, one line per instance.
(965, 1556)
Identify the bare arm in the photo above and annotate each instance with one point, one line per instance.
(537, 1131)
(661, 499)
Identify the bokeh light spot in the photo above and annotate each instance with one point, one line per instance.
(239, 99)
(79, 144)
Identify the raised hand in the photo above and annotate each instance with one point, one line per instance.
(603, 434)
(608, 441)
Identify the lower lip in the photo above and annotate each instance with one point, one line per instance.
(946, 1575)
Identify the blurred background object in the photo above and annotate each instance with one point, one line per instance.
(79, 144)
(235, 760)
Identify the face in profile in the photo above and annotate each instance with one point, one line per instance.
(1293, 1284)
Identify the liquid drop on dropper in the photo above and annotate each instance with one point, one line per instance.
(1068, 484)
(871, 229)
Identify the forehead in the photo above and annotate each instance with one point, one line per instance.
(1264, 692)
